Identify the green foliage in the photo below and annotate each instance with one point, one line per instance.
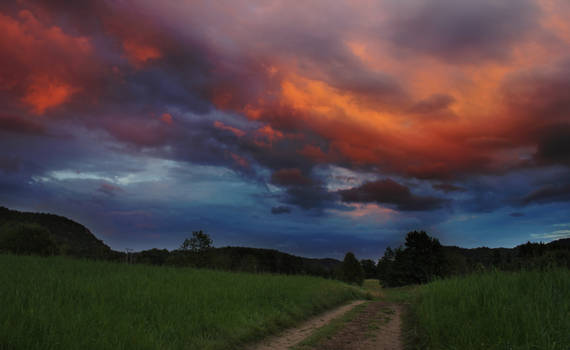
(70, 237)
(496, 310)
(420, 261)
(199, 242)
(369, 268)
(26, 239)
(351, 270)
(61, 303)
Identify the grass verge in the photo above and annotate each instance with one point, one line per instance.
(61, 303)
(494, 310)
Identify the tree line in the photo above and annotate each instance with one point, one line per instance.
(421, 259)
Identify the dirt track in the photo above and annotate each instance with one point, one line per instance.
(378, 326)
(295, 335)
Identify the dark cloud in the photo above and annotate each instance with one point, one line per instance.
(462, 31)
(10, 164)
(540, 95)
(448, 188)
(554, 145)
(109, 189)
(388, 191)
(432, 104)
(280, 210)
(548, 194)
(517, 214)
(290, 177)
(309, 197)
(20, 124)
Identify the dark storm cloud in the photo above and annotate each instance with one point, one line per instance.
(9, 164)
(290, 177)
(462, 31)
(548, 194)
(19, 124)
(280, 210)
(309, 197)
(448, 188)
(517, 214)
(554, 145)
(388, 191)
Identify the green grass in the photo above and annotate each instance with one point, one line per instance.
(60, 303)
(495, 310)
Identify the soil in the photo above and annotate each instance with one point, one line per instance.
(377, 327)
(295, 335)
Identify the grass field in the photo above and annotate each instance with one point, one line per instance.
(60, 303)
(495, 310)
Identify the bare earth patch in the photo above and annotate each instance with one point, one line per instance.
(378, 326)
(295, 335)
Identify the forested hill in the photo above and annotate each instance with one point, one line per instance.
(70, 237)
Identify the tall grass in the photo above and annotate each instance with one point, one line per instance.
(60, 303)
(496, 310)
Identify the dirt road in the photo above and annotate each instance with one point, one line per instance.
(295, 335)
(378, 326)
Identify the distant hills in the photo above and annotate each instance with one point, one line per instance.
(74, 239)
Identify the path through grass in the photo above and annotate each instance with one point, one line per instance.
(61, 303)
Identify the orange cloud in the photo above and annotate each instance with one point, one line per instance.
(41, 65)
(139, 54)
(235, 131)
(239, 160)
(45, 92)
(166, 118)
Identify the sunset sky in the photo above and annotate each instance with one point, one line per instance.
(311, 127)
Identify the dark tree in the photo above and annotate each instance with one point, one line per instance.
(351, 270)
(27, 239)
(369, 268)
(420, 261)
(426, 255)
(199, 242)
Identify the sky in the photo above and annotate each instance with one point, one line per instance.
(315, 127)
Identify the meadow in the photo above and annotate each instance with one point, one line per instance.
(527, 310)
(63, 303)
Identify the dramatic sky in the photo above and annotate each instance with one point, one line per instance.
(312, 127)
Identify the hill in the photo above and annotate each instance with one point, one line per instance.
(70, 237)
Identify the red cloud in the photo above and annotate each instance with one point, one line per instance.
(40, 64)
(235, 131)
(140, 53)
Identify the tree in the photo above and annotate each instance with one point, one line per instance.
(27, 239)
(351, 270)
(369, 268)
(199, 242)
(426, 256)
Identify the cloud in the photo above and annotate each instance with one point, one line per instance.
(548, 194)
(554, 145)
(109, 189)
(280, 210)
(21, 125)
(517, 214)
(388, 191)
(558, 234)
(460, 31)
(448, 188)
(290, 177)
(432, 104)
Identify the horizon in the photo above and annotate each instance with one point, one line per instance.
(313, 130)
